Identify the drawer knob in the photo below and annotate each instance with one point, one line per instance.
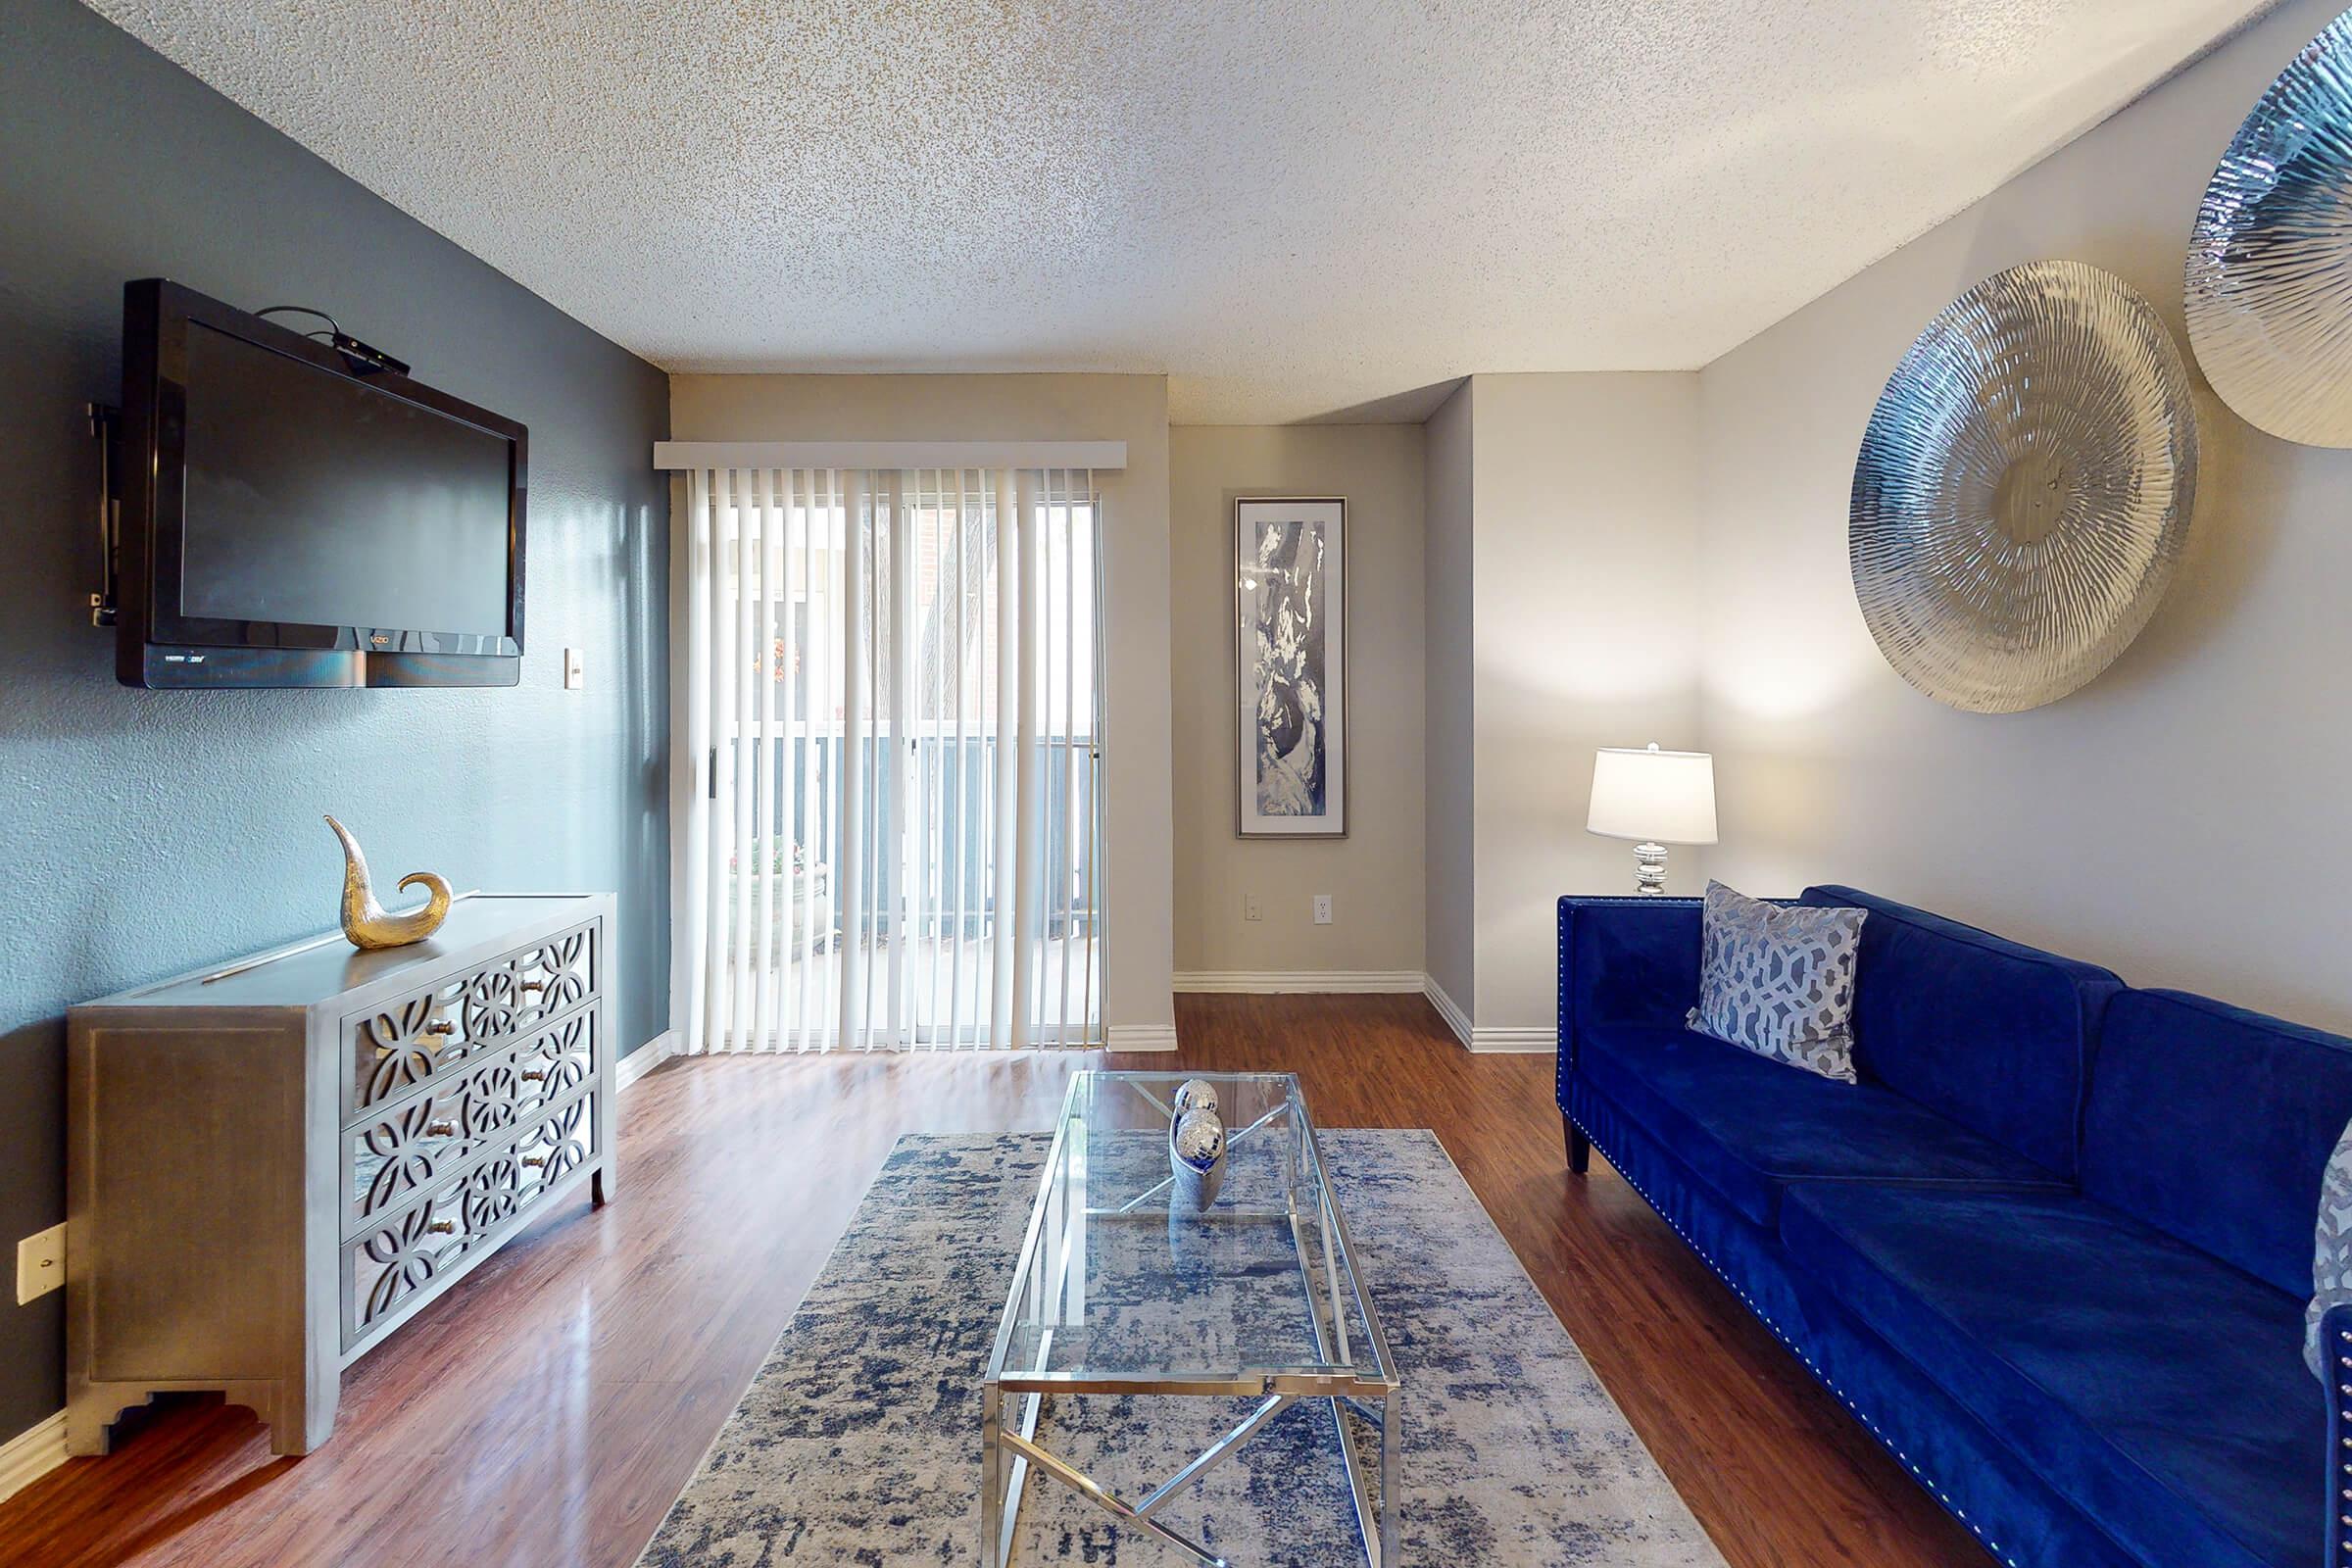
(442, 1227)
(534, 1160)
(441, 1026)
(441, 1129)
(535, 1075)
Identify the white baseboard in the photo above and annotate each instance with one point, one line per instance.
(1275, 982)
(1538, 1041)
(1141, 1036)
(29, 1455)
(646, 1057)
(1455, 1019)
(1514, 1042)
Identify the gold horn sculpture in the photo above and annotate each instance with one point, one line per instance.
(366, 923)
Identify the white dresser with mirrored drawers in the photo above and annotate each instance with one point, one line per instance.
(275, 1164)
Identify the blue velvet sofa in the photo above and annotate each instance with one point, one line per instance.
(2053, 1250)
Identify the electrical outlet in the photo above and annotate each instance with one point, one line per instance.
(575, 670)
(1322, 909)
(1250, 908)
(40, 1265)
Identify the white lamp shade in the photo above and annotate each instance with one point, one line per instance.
(1665, 796)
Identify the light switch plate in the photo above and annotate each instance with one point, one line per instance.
(1250, 908)
(1322, 909)
(40, 1265)
(575, 670)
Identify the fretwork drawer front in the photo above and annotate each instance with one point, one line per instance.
(560, 1143)
(401, 1149)
(400, 1260)
(410, 1042)
(535, 984)
(557, 1061)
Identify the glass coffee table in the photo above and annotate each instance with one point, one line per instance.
(1120, 1291)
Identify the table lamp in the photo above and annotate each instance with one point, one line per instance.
(1655, 798)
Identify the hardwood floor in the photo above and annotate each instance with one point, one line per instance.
(549, 1409)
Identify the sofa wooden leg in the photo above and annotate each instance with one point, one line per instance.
(1580, 1147)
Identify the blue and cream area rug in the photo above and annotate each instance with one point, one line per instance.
(860, 1440)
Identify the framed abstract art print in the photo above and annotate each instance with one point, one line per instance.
(1290, 577)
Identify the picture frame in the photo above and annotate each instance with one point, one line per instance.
(1290, 585)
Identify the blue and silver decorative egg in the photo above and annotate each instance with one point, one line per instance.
(1200, 1138)
(1196, 1093)
(1195, 1157)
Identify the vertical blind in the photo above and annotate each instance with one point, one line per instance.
(893, 692)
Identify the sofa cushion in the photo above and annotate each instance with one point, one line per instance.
(2214, 1124)
(1747, 1126)
(1991, 1034)
(2159, 1389)
(1998, 1491)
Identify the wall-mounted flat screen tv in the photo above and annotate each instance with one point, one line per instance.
(294, 516)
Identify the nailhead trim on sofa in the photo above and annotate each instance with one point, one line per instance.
(2336, 1325)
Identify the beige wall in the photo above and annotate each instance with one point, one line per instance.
(1449, 704)
(1583, 540)
(1134, 409)
(2182, 818)
(1375, 874)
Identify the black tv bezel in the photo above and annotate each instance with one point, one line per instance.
(158, 646)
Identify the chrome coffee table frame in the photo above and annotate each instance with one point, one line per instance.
(1358, 1378)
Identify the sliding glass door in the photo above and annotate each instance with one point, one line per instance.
(892, 693)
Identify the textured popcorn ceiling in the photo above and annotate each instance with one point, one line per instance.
(1293, 208)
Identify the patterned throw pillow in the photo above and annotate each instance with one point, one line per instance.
(2332, 1252)
(1778, 981)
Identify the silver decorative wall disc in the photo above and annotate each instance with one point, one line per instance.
(2024, 488)
(2269, 286)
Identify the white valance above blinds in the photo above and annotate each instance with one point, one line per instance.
(902, 456)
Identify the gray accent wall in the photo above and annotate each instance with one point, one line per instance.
(145, 833)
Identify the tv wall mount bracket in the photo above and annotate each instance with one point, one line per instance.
(106, 428)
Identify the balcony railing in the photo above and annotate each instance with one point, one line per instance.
(798, 780)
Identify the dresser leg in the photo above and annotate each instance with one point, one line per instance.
(292, 1439)
(91, 1411)
(608, 1152)
(93, 1408)
(299, 1418)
